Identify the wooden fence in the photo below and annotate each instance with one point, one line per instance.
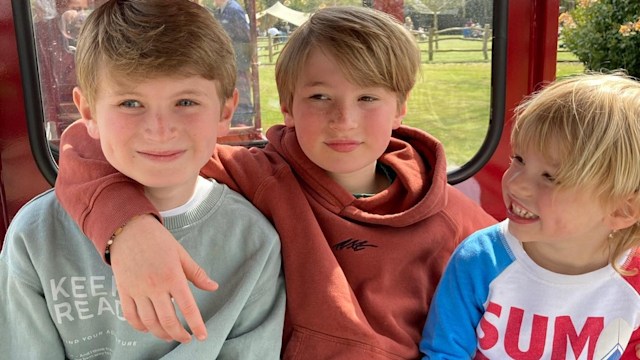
(269, 47)
(434, 37)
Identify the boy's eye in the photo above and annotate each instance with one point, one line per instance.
(517, 159)
(319, 97)
(548, 177)
(130, 104)
(368, 98)
(185, 102)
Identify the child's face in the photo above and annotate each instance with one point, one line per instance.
(159, 132)
(569, 222)
(342, 127)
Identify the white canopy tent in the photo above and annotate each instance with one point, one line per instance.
(282, 12)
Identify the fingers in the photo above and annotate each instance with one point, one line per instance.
(169, 322)
(159, 317)
(130, 313)
(184, 298)
(147, 315)
(189, 309)
(151, 268)
(195, 274)
(200, 279)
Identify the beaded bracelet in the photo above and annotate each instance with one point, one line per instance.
(107, 251)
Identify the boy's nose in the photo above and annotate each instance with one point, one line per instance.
(160, 127)
(518, 183)
(343, 118)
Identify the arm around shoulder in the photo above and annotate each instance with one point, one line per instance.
(94, 193)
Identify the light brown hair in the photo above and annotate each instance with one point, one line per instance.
(141, 39)
(371, 47)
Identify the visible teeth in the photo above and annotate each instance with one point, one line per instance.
(522, 212)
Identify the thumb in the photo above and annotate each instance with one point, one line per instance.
(194, 273)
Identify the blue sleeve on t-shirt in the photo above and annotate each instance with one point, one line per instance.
(458, 304)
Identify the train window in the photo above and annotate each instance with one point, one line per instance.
(459, 97)
(56, 25)
(568, 64)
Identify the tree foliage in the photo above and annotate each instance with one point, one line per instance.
(604, 34)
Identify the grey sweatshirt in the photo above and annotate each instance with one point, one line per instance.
(59, 299)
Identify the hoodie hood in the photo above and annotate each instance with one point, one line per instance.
(418, 191)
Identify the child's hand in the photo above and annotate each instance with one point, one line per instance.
(151, 268)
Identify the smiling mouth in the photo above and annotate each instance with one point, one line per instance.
(522, 212)
(162, 155)
(343, 146)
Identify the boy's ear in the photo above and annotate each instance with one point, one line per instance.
(400, 114)
(226, 113)
(85, 112)
(288, 117)
(624, 215)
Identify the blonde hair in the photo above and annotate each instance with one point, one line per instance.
(371, 47)
(591, 125)
(145, 38)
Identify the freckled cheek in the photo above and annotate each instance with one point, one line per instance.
(315, 119)
(120, 143)
(307, 125)
(314, 112)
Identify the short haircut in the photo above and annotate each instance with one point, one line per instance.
(371, 47)
(590, 125)
(141, 39)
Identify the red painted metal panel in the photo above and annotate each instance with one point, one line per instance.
(19, 176)
(531, 61)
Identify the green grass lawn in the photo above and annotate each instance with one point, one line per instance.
(450, 100)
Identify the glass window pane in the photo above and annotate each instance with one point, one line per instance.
(568, 64)
(56, 26)
(451, 100)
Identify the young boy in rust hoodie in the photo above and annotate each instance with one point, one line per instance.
(366, 218)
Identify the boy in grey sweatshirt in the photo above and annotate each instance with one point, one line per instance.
(155, 87)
